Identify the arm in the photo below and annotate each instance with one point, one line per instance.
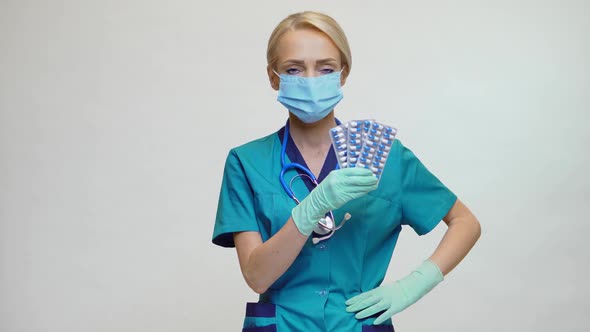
(263, 263)
(464, 230)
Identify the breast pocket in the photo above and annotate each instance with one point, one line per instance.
(382, 215)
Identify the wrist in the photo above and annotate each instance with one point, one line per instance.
(421, 281)
(430, 272)
(304, 218)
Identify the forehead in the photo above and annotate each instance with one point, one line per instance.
(306, 44)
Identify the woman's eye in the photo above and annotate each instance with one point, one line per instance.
(292, 71)
(327, 71)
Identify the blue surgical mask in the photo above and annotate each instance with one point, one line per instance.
(310, 98)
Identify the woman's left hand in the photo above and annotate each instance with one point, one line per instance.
(398, 296)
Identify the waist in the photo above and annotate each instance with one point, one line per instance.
(290, 295)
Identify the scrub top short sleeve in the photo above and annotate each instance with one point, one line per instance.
(235, 211)
(425, 200)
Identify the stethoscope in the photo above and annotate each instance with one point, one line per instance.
(325, 226)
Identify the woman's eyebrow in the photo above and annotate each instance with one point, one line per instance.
(297, 62)
(326, 60)
(301, 62)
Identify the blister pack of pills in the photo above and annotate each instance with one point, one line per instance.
(363, 143)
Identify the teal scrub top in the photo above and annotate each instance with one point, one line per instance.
(310, 295)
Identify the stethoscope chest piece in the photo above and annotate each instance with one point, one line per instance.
(325, 226)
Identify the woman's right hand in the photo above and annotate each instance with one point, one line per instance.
(338, 188)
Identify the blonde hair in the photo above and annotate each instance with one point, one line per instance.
(310, 20)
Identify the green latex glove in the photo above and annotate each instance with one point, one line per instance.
(339, 187)
(398, 296)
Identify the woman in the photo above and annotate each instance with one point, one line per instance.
(334, 284)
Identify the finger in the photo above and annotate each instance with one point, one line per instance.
(365, 303)
(365, 181)
(358, 189)
(358, 192)
(365, 174)
(370, 311)
(397, 306)
(360, 180)
(359, 297)
(355, 171)
(383, 317)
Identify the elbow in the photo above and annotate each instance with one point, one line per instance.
(259, 289)
(257, 285)
(476, 228)
(469, 225)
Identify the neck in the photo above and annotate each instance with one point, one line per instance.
(311, 135)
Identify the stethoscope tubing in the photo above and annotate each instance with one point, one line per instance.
(285, 167)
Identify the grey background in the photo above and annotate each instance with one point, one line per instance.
(116, 118)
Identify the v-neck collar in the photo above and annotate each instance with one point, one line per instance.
(295, 156)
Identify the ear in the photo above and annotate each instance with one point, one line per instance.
(273, 78)
(344, 76)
